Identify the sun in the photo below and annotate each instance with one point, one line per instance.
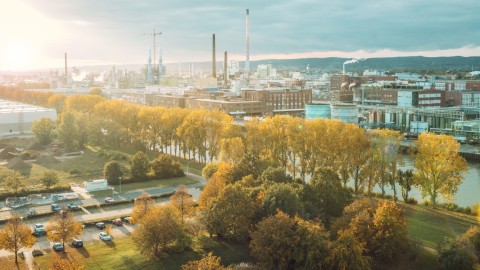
(17, 55)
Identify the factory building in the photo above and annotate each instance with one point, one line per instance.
(17, 118)
(283, 101)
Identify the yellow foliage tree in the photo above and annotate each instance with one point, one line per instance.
(208, 262)
(438, 166)
(143, 205)
(16, 235)
(62, 227)
(183, 202)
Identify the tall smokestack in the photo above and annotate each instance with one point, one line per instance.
(247, 58)
(66, 80)
(214, 61)
(225, 75)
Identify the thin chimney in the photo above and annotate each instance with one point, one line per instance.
(66, 77)
(225, 75)
(214, 64)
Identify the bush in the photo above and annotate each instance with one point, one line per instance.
(454, 255)
(73, 172)
(37, 252)
(412, 201)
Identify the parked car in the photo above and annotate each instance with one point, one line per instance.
(57, 247)
(100, 225)
(77, 243)
(55, 207)
(39, 230)
(127, 219)
(108, 200)
(117, 222)
(104, 236)
(31, 212)
(72, 206)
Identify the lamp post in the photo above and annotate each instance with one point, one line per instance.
(120, 184)
(188, 163)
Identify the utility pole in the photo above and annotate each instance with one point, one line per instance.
(154, 34)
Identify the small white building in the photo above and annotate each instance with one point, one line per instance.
(100, 184)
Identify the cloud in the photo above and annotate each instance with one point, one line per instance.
(110, 30)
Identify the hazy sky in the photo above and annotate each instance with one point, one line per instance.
(36, 33)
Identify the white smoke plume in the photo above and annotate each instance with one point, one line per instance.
(354, 60)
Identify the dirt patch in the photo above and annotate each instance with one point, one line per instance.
(8, 152)
(18, 165)
(47, 159)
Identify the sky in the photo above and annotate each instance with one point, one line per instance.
(37, 33)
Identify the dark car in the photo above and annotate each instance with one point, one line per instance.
(77, 243)
(100, 225)
(31, 213)
(55, 207)
(57, 247)
(117, 222)
(72, 206)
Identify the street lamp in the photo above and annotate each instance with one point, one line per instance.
(120, 184)
(188, 163)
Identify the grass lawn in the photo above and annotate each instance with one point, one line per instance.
(122, 254)
(8, 262)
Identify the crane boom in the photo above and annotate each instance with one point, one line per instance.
(154, 34)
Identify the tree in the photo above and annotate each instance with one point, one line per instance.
(67, 130)
(165, 167)
(472, 237)
(14, 182)
(453, 254)
(183, 202)
(161, 231)
(209, 170)
(16, 235)
(390, 231)
(49, 179)
(226, 217)
(112, 172)
(43, 130)
(139, 166)
(347, 253)
(275, 175)
(405, 180)
(324, 196)
(438, 166)
(208, 262)
(65, 264)
(56, 101)
(143, 205)
(211, 190)
(281, 197)
(62, 227)
(96, 91)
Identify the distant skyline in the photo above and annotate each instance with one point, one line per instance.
(37, 33)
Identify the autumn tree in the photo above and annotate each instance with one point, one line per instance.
(14, 182)
(183, 202)
(209, 262)
(16, 235)
(438, 166)
(67, 130)
(454, 254)
(232, 149)
(226, 217)
(143, 205)
(43, 129)
(49, 179)
(209, 170)
(347, 253)
(57, 101)
(112, 171)
(139, 166)
(159, 232)
(62, 227)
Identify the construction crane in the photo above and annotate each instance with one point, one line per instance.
(154, 34)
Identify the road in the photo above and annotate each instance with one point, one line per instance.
(102, 212)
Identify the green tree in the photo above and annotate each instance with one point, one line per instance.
(281, 197)
(14, 182)
(44, 130)
(16, 235)
(96, 91)
(62, 227)
(275, 175)
(49, 179)
(227, 217)
(112, 171)
(405, 180)
(165, 167)
(438, 166)
(161, 231)
(67, 130)
(139, 166)
(453, 254)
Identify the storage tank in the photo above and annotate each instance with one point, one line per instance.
(347, 113)
(319, 110)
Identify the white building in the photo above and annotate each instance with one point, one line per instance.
(17, 118)
(100, 184)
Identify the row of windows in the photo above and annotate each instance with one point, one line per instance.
(434, 101)
(431, 95)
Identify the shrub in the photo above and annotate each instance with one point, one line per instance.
(454, 255)
(74, 171)
(412, 201)
(37, 252)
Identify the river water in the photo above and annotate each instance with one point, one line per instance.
(468, 192)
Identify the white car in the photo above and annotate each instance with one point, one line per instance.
(108, 200)
(104, 236)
